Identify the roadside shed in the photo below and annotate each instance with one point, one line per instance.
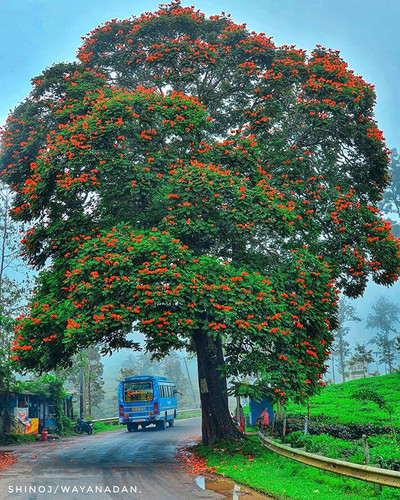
(256, 407)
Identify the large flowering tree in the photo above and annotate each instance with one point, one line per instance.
(189, 179)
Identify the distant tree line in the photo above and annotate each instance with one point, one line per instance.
(173, 366)
(384, 318)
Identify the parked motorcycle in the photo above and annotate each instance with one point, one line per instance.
(83, 426)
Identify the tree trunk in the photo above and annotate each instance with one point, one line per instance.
(388, 352)
(342, 366)
(217, 422)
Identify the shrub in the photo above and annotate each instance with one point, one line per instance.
(19, 438)
(298, 439)
(322, 425)
(384, 452)
(333, 447)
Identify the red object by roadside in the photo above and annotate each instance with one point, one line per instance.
(44, 435)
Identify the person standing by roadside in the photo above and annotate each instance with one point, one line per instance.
(263, 419)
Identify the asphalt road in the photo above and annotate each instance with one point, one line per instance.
(116, 465)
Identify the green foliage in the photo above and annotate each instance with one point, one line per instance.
(323, 444)
(341, 347)
(298, 439)
(383, 449)
(35, 386)
(384, 318)
(134, 269)
(361, 355)
(378, 399)
(189, 414)
(18, 438)
(375, 397)
(225, 447)
(390, 204)
(99, 427)
(65, 425)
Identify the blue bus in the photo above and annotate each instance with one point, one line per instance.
(145, 400)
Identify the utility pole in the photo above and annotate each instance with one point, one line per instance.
(81, 390)
(190, 381)
(82, 398)
(376, 353)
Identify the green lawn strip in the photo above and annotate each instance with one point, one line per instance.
(18, 438)
(283, 478)
(189, 414)
(103, 427)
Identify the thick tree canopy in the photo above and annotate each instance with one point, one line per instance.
(187, 177)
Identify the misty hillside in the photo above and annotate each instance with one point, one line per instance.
(342, 403)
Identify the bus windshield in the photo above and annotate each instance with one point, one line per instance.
(138, 391)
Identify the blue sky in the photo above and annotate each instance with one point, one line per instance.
(36, 33)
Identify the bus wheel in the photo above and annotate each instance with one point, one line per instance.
(171, 423)
(132, 427)
(161, 424)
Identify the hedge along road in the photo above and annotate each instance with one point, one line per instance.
(122, 465)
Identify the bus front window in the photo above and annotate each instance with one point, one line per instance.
(138, 391)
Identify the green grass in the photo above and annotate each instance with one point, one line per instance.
(189, 414)
(18, 438)
(103, 427)
(336, 403)
(283, 478)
